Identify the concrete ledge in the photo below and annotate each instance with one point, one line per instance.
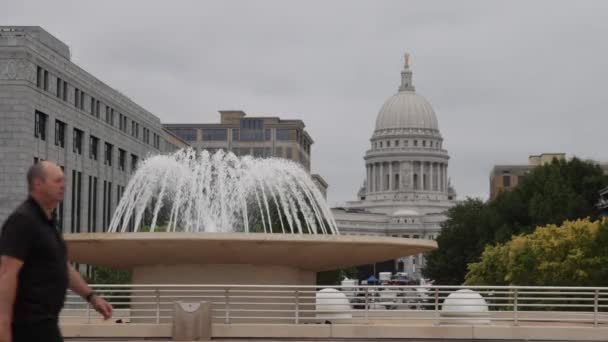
(271, 330)
(348, 331)
(116, 330)
(541, 333)
(377, 331)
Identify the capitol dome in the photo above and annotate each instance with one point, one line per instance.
(406, 109)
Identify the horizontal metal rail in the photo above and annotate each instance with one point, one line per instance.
(500, 305)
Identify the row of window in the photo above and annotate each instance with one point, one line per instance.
(396, 143)
(508, 180)
(40, 129)
(239, 134)
(61, 90)
(260, 152)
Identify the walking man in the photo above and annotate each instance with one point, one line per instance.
(34, 271)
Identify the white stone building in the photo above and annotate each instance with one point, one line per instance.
(407, 191)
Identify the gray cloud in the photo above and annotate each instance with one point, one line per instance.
(507, 79)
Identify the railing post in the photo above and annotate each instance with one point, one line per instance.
(88, 313)
(437, 306)
(157, 306)
(515, 309)
(227, 301)
(366, 303)
(595, 306)
(297, 306)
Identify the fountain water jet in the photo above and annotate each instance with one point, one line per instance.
(222, 193)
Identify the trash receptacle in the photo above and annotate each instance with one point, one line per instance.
(192, 321)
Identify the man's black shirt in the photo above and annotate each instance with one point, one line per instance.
(30, 236)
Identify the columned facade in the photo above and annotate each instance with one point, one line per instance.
(406, 190)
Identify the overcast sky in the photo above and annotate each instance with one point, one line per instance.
(506, 79)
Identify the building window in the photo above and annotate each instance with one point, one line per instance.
(108, 154)
(92, 212)
(156, 141)
(134, 160)
(252, 123)
(388, 143)
(64, 93)
(76, 97)
(252, 130)
(46, 80)
(124, 123)
(267, 134)
(77, 141)
(81, 104)
(396, 143)
(146, 135)
(40, 125)
(133, 130)
(39, 77)
(423, 143)
(109, 119)
(76, 200)
(506, 181)
(415, 143)
(381, 144)
(121, 159)
(119, 191)
(107, 205)
(92, 109)
(187, 134)
(215, 134)
(284, 134)
(97, 107)
(93, 147)
(59, 133)
(58, 88)
(251, 135)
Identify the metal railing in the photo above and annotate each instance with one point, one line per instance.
(232, 304)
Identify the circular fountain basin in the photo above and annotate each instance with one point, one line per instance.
(234, 258)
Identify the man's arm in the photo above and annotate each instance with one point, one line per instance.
(78, 285)
(9, 271)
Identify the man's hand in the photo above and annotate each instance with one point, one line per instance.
(100, 305)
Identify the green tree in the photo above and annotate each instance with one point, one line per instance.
(549, 194)
(465, 221)
(572, 254)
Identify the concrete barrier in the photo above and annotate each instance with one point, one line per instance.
(191, 321)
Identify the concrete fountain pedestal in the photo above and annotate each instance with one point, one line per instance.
(234, 258)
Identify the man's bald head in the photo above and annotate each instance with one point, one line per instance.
(36, 171)
(46, 184)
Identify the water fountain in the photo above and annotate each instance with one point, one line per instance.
(220, 219)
